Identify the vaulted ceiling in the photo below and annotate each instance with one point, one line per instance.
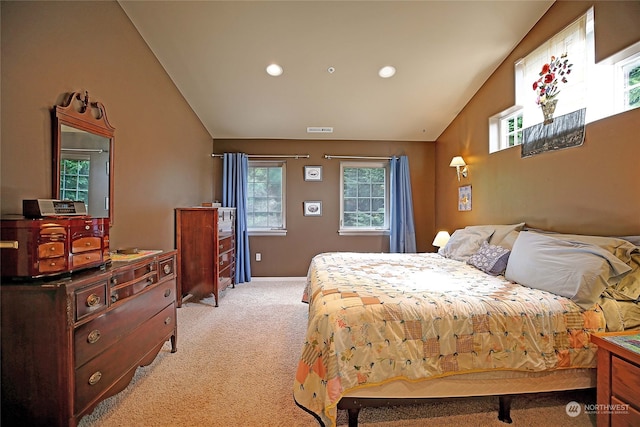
(216, 53)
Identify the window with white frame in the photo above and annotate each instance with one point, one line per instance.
(604, 89)
(364, 197)
(266, 197)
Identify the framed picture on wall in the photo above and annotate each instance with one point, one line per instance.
(464, 198)
(313, 173)
(313, 208)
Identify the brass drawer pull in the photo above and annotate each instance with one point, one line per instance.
(167, 320)
(167, 269)
(93, 379)
(221, 262)
(114, 298)
(167, 292)
(93, 336)
(93, 300)
(150, 281)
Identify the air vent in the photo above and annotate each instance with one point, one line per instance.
(319, 130)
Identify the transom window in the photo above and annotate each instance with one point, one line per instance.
(364, 197)
(266, 197)
(604, 89)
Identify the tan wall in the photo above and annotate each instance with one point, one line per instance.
(592, 189)
(162, 150)
(307, 236)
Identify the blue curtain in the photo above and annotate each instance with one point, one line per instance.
(234, 195)
(403, 232)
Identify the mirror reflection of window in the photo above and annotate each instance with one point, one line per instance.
(74, 178)
(84, 169)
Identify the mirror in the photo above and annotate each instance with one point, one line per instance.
(83, 144)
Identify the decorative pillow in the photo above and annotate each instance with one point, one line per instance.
(579, 271)
(499, 233)
(491, 259)
(464, 243)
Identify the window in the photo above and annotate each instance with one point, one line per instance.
(604, 89)
(630, 81)
(364, 197)
(266, 198)
(74, 179)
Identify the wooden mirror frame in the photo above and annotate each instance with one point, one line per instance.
(91, 117)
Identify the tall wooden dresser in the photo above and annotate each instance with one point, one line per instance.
(205, 238)
(70, 342)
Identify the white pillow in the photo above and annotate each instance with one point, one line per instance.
(578, 271)
(500, 232)
(464, 243)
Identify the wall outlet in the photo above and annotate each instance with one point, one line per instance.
(258, 256)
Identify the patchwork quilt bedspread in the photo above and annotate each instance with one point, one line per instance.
(375, 318)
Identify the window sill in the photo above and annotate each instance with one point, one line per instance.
(350, 232)
(278, 232)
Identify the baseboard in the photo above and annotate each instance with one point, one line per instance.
(281, 279)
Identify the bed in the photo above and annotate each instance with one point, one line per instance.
(456, 323)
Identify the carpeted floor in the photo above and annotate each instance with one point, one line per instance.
(236, 363)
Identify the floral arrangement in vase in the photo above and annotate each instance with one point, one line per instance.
(546, 87)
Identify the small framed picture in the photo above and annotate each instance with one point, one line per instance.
(464, 198)
(313, 208)
(313, 173)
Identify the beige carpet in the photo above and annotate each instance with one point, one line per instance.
(236, 363)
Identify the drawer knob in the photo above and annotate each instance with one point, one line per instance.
(150, 281)
(86, 227)
(93, 336)
(114, 281)
(167, 292)
(167, 320)
(166, 269)
(221, 246)
(88, 244)
(221, 262)
(93, 379)
(52, 249)
(114, 298)
(93, 300)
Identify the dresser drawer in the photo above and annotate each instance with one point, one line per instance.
(51, 250)
(91, 299)
(95, 377)
(134, 273)
(167, 268)
(86, 259)
(52, 265)
(105, 330)
(625, 381)
(225, 244)
(134, 287)
(84, 244)
(624, 417)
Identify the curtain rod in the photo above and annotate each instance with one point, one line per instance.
(329, 156)
(271, 156)
(84, 150)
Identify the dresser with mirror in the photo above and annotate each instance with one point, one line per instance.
(76, 320)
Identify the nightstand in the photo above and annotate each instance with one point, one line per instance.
(618, 392)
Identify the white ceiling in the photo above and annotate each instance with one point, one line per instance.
(216, 53)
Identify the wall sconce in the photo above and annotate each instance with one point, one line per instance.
(458, 163)
(441, 239)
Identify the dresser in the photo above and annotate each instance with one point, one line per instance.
(206, 242)
(70, 342)
(618, 392)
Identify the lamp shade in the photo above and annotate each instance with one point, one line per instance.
(457, 161)
(441, 239)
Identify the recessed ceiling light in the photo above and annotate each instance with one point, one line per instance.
(274, 70)
(387, 71)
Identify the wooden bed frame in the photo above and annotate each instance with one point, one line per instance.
(468, 385)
